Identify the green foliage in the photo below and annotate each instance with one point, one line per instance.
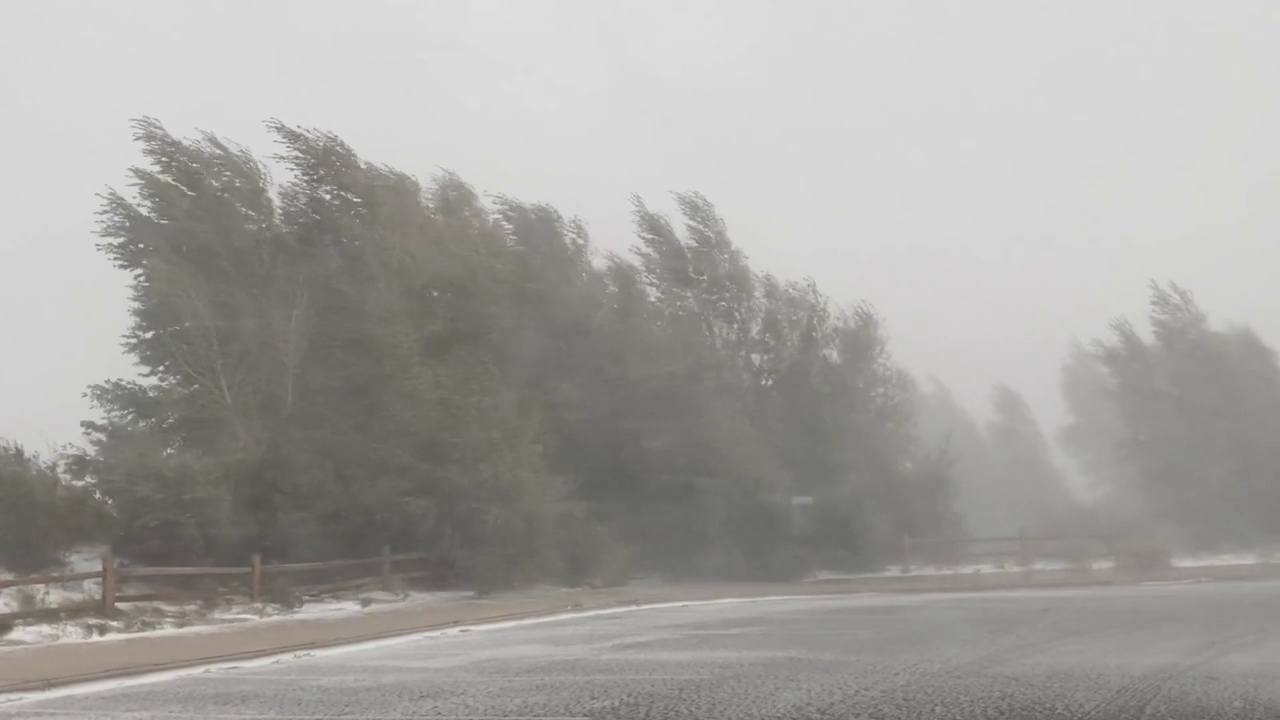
(42, 514)
(351, 358)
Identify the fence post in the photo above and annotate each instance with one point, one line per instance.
(255, 587)
(108, 582)
(386, 568)
(906, 552)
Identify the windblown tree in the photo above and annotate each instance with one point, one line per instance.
(320, 372)
(1031, 487)
(1006, 479)
(1094, 436)
(945, 424)
(350, 358)
(1182, 426)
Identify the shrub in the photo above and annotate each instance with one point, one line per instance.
(41, 515)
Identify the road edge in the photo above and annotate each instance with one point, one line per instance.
(20, 693)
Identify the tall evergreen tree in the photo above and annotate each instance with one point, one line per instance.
(351, 358)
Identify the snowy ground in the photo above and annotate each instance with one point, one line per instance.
(1046, 565)
(152, 618)
(159, 617)
(79, 560)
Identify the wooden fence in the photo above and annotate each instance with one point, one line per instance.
(255, 578)
(1021, 549)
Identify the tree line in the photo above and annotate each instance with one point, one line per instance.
(350, 357)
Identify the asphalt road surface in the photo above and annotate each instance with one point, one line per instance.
(1174, 652)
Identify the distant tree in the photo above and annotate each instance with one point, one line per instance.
(1005, 475)
(1033, 489)
(948, 426)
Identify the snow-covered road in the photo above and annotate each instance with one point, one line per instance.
(1198, 651)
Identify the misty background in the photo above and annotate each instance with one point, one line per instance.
(999, 181)
(996, 177)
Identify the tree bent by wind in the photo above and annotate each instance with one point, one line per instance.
(350, 358)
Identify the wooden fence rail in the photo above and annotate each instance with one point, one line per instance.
(49, 579)
(112, 575)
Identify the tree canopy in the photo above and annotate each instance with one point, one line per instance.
(349, 357)
(1180, 429)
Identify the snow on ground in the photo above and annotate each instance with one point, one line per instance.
(192, 618)
(966, 569)
(81, 559)
(157, 617)
(1251, 558)
(164, 618)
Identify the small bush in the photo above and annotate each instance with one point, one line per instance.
(41, 516)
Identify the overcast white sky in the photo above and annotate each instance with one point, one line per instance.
(996, 177)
